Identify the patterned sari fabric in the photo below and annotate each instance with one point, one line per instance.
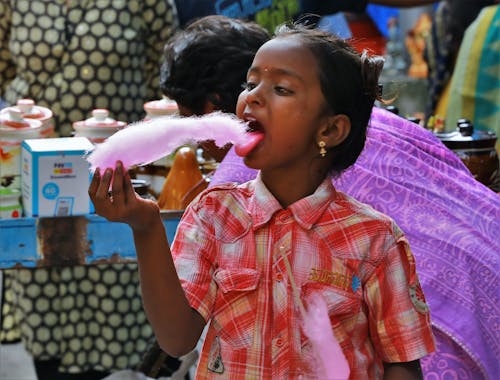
(452, 223)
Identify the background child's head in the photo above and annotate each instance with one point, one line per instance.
(207, 63)
(349, 82)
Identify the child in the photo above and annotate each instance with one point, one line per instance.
(239, 249)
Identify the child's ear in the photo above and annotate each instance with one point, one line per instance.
(335, 130)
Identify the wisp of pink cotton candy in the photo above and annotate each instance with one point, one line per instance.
(147, 141)
(330, 360)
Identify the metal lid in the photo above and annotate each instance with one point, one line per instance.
(467, 137)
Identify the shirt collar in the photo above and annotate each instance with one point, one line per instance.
(306, 211)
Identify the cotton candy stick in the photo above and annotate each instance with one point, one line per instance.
(147, 141)
(331, 362)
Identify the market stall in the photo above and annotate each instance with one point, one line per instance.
(70, 240)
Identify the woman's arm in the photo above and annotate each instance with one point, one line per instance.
(176, 325)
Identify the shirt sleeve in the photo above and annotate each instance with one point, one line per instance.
(194, 256)
(7, 66)
(161, 20)
(399, 317)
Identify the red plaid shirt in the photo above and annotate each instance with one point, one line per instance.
(228, 253)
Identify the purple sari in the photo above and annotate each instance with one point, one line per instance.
(453, 225)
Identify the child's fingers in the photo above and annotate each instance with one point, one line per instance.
(103, 188)
(94, 184)
(128, 188)
(117, 189)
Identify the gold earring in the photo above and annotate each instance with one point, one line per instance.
(322, 150)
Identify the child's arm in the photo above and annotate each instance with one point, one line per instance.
(177, 326)
(403, 371)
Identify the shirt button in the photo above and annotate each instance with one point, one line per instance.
(279, 277)
(279, 342)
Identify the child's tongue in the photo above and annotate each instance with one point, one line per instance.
(243, 148)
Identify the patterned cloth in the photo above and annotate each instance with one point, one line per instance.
(89, 317)
(231, 252)
(452, 223)
(84, 55)
(74, 56)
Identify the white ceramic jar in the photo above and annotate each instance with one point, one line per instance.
(99, 127)
(161, 107)
(13, 130)
(30, 110)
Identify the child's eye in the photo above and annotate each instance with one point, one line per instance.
(282, 90)
(249, 86)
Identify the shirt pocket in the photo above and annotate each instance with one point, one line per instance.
(343, 308)
(234, 316)
(341, 304)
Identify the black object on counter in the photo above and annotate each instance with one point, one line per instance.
(476, 149)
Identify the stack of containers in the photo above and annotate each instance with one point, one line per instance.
(14, 129)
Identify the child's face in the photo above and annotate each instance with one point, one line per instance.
(283, 99)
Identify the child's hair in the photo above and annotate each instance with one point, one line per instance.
(208, 60)
(349, 82)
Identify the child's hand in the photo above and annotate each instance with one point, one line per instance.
(122, 204)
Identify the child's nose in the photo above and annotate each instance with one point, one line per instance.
(254, 96)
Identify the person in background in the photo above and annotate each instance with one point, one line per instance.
(450, 22)
(312, 129)
(80, 322)
(474, 87)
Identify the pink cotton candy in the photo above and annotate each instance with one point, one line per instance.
(147, 141)
(331, 362)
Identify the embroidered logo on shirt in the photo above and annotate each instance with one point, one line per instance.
(418, 299)
(214, 359)
(338, 280)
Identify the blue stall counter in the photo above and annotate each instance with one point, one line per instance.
(72, 240)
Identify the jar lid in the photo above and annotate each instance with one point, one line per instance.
(100, 119)
(164, 106)
(30, 110)
(12, 123)
(468, 137)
